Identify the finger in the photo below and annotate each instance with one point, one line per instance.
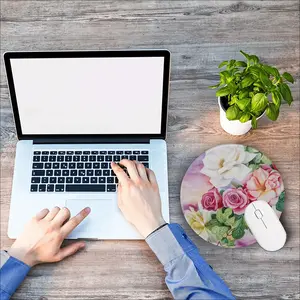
(141, 170)
(131, 168)
(74, 222)
(151, 177)
(54, 211)
(122, 176)
(61, 217)
(69, 250)
(42, 214)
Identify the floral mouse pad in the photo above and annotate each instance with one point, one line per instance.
(219, 185)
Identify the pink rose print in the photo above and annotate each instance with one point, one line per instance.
(235, 199)
(264, 184)
(212, 200)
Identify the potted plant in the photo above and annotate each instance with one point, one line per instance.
(247, 91)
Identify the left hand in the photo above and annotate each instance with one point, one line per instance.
(43, 235)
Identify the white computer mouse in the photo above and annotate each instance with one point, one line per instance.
(265, 225)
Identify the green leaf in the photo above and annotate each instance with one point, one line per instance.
(248, 80)
(280, 202)
(272, 112)
(257, 158)
(224, 91)
(213, 216)
(230, 243)
(243, 94)
(245, 117)
(212, 223)
(266, 160)
(259, 102)
(230, 221)
(276, 97)
(255, 71)
(224, 240)
(243, 103)
(254, 122)
(214, 86)
(254, 58)
(220, 231)
(233, 113)
(258, 84)
(247, 56)
(272, 71)
(238, 232)
(223, 216)
(265, 80)
(288, 77)
(222, 64)
(240, 64)
(286, 93)
(231, 63)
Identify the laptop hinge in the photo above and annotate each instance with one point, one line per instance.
(88, 140)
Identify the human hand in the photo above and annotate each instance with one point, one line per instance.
(138, 196)
(43, 235)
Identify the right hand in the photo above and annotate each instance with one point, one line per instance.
(138, 196)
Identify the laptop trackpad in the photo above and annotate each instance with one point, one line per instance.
(93, 224)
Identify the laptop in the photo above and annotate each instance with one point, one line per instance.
(76, 112)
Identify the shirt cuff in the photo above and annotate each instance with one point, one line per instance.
(165, 245)
(12, 273)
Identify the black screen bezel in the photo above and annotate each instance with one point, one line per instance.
(79, 54)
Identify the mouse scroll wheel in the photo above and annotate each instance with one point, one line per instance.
(258, 214)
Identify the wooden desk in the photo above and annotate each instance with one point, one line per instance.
(200, 34)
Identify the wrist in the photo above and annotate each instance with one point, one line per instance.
(152, 226)
(22, 255)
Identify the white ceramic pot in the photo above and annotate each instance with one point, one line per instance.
(233, 127)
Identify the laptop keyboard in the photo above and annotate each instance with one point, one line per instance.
(79, 171)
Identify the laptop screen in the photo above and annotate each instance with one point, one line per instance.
(89, 95)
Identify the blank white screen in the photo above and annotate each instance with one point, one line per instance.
(89, 95)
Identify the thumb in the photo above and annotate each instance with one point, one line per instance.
(69, 250)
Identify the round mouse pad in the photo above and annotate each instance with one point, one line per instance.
(219, 185)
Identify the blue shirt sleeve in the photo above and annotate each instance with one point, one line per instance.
(12, 273)
(188, 274)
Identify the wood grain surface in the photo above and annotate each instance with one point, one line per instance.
(199, 34)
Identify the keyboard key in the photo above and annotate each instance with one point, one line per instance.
(88, 165)
(132, 157)
(45, 179)
(45, 152)
(116, 180)
(109, 166)
(100, 158)
(33, 188)
(96, 165)
(110, 180)
(60, 158)
(103, 152)
(102, 180)
(120, 152)
(52, 179)
(49, 173)
(79, 165)
(92, 158)
(37, 152)
(124, 157)
(90, 173)
(86, 152)
(142, 157)
(71, 165)
(42, 187)
(36, 158)
(78, 152)
(106, 173)
(64, 166)
(95, 152)
(61, 152)
(77, 180)
(73, 172)
(57, 173)
(117, 158)
(112, 173)
(111, 152)
(76, 158)
(93, 179)
(69, 180)
(146, 165)
(61, 180)
(55, 166)
(104, 165)
(128, 152)
(68, 158)
(85, 188)
(50, 187)
(85, 179)
(59, 188)
(44, 158)
(53, 152)
(70, 152)
(35, 180)
(145, 152)
(98, 172)
(38, 173)
(47, 165)
(65, 173)
(108, 158)
(81, 173)
(111, 188)
(52, 158)
(84, 158)
(136, 152)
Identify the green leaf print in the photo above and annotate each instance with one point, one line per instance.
(212, 223)
(230, 221)
(250, 149)
(238, 232)
(220, 231)
(265, 160)
(230, 243)
(224, 215)
(280, 203)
